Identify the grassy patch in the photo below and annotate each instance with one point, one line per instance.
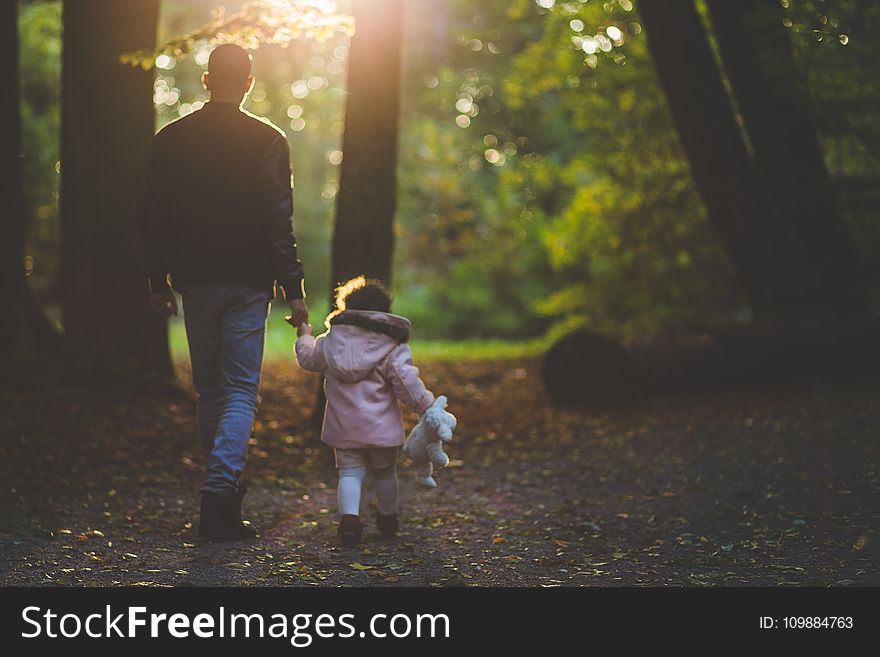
(280, 337)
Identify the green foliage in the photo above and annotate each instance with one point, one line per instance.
(469, 261)
(564, 179)
(630, 233)
(578, 203)
(542, 185)
(40, 61)
(259, 23)
(836, 43)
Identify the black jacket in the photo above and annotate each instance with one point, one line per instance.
(218, 203)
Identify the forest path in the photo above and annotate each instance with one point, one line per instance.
(756, 487)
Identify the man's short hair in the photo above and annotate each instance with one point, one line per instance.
(229, 65)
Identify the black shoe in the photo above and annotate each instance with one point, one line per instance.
(220, 518)
(350, 529)
(387, 524)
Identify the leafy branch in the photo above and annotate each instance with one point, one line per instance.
(262, 22)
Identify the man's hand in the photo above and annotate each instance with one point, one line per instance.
(299, 312)
(304, 329)
(164, 303)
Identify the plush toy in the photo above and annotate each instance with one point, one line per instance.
(425, 442)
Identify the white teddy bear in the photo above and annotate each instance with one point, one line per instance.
(425, 442)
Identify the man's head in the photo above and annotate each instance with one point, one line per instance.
(228, 77)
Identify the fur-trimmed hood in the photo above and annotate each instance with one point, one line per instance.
(394, 326)
(359, 340)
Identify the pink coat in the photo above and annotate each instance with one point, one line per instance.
(365, 373)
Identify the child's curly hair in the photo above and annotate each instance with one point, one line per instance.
(361, 293)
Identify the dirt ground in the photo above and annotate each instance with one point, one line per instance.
(760, 487)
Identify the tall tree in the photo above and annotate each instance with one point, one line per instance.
(107, 129)
(24, 331)
(13, 331)
(774, 101)
(363, 235)
(719, 157)
(791, 258)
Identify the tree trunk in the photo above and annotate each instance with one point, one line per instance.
(13, 327)
(775, 104)
(363, 235)
(781, 278)
(107, 127)
(718, 155)
(26, 334)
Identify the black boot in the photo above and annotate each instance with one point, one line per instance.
(220, 518)
(350, 529)
(387, 524)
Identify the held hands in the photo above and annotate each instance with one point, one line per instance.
(299, 314)
(164, 303)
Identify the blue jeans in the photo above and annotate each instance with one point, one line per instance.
(226, 330)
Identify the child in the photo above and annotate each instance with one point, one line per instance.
(367, 367)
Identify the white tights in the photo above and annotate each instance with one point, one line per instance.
(349, 492)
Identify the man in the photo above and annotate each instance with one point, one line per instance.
(217, 219)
